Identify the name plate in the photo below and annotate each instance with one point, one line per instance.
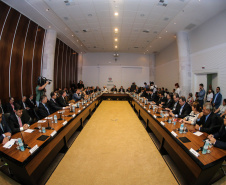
(90, 101)
(162, 123)
(73, 115)
(196, 154)
(145, 107)
(33, 149)
(64, 123)
(149, 111)
(174, 134)
(79, 111)
(155, 116)
(53, 133)
(84, 107)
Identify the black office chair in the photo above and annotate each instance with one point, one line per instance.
(6, 115)
(36, 113)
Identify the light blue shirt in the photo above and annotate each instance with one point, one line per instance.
(202, 94)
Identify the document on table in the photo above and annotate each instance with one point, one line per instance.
(29, 130)
(41, 121)
(9, 144)
(198, 133)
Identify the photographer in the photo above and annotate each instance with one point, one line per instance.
(40, 89)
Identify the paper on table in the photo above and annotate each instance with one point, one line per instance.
(198, 133)
(29, 130)
(48, 117)
(41, 121)
(9, 144)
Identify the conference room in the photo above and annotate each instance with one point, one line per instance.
(112, 92)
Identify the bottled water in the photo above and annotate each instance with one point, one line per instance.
(55, 118)
(21, 145)
(205, 148)
(181, 128)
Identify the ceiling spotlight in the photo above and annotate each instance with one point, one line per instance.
(116, 47)
(116, 30)
(116, 14)
(49, 26)
(116, 40)
(160, 37)
(175, 23)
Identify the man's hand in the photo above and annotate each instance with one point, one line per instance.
(197, 127)
(5, 140)
(8, 134)
(210, 136)
(212, 140)
(25, 126)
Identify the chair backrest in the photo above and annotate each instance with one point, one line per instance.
(6, 115)
(36, 113)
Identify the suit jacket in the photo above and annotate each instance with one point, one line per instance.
(61, 101)
(6, 128)
(221, 138)
(168, 104)
(22, 105)
(151, 97)
(14, 123)
(133, 88)
(54, 106)
(114, 89)
(185, 111)
(9, 108)
(211, 125)
(76, 97)
(162, 99)
(177, 106)
(121, 90)
(218, 100)
(3, 110)
(42, 112)
(30, 104)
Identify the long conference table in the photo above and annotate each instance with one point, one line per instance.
(29, 165)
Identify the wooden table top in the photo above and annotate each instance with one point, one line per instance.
(196, 141)
(31, 138)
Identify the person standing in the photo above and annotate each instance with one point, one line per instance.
(217, 98)
(40, 90)
(201, 94)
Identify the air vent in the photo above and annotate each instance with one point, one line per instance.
(190, 26)
(146, 31)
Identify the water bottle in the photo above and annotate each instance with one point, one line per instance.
(174, 121)
(73, 107)
(181, 128)
(55, 118)
(204, 150)
(21, 145)
(43, 130)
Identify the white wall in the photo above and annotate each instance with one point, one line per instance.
(208, 50)
(129, 67)
(167, 67)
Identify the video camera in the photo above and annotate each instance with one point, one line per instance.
(43, 80)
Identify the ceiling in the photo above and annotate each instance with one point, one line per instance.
(144, 26)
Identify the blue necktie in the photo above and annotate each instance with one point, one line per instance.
(47, 109)
(215, 98)
(1, 127)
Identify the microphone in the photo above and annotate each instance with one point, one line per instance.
(25, 145)
(48, 128)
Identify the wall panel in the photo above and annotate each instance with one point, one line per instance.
(4, 10)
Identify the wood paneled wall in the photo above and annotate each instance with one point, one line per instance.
(65, 65)
(21, 43)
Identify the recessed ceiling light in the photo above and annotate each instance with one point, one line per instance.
(116, 46)
(166, 31)
(160, 37)
(175, 23)
(49, 26)
(77, 40)
(116, 14)
(116, 30)
(150, 46)
(116, 39)
(72, 35)
(81, 45)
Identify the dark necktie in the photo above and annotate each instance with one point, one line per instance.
(47, 109)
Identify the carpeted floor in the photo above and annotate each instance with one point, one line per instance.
(113, 148)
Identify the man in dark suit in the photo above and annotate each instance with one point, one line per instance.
(209, 121)
(23, 104)
(218, 139)
(113, 89)
(150, 95)
(10, 105)
(61, 99)
(53, 105)
(176, 104)
(162, 99)
(183, 110)
(217, 98)
(169, 103)
(5, 132)
(121, 89)
(133, 87)
(43, 108)
(30, 103)
(18, 123)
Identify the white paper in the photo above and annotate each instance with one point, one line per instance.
(29, 130)
(149, 111)
(41, 121)
(73, 115)
(9, 144)
(48, 117)
(79, 111)
(198, 133)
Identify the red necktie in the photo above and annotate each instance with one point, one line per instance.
(12, 106)
(20, 122)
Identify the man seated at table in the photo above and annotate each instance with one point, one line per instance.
(128, 90)
(61, 99)
(97, 89)
(105, 89)
(176, 104)
(113, 89)
(77, 95)
(183, 110)
(218, 139)
(10, 106)
(5, 132)
(209, 122)
(151, 96)
(162, 99)
(43, 108)
(121, 89)
(53, 105)
(17, 122)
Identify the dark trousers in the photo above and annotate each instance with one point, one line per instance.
(201, 103)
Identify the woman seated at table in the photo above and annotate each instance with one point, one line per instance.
(194, 115)
(190, 99)
(221, 111)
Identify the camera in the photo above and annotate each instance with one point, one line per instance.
(43, 80)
